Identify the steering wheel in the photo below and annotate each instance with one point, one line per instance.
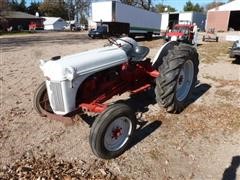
(114, 41)
(127, 42)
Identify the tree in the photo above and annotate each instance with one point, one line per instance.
(145, 4)
(189, 6)
(198, 8)
(213, 4)
(33, 8)
(3, 21)
(164, 8)
(18, 6)
(70, 8)
(82, 8)
(78, 8)
(3, 5)
(55, 8)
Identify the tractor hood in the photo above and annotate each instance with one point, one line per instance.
(72, 66)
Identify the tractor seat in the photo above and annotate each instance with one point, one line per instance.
(139, 53)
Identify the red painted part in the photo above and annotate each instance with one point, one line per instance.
(141, 89)
(94, 107)
(154, 74)
(36, 25)
(116, 133)
(102, 86)
(64, 119)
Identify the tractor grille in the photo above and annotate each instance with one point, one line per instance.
(57, 97)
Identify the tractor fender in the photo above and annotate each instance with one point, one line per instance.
(163, 51)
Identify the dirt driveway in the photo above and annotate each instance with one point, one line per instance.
(203, 142)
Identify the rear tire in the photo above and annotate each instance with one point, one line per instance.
(112, 130)
(40, 101)
(178, 75)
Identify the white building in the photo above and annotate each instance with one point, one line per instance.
(225, 17)
(54, 23)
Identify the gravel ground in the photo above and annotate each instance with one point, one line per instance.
(200, 143)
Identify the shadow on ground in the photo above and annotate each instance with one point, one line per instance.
(199, 90)
(230, 173)
(144, 130)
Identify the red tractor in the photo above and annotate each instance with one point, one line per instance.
(181, 32)
(84, 82)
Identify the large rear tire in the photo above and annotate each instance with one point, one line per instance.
(178, 75)
(40, 101)
(112, 130)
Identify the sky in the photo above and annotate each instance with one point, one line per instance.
(177, 4)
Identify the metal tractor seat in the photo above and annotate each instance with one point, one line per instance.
(139, 53)
(132, 49)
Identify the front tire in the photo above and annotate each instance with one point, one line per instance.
(112, 130)
(178, 75)
(40, 101)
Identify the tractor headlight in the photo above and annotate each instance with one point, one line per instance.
(70, 73)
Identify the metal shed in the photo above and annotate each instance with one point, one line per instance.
(54, 23)
(225, 17)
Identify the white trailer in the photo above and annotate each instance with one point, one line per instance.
(169, 19)
(141, 22)
(193, 17)
(164, 22)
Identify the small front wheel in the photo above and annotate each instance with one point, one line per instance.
(112, 130)
(41, 102)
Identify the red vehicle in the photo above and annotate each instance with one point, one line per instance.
(181, 32)
(36, 25)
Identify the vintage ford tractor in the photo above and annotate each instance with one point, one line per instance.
(84, 82)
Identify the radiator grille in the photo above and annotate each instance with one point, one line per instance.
(57, 97)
